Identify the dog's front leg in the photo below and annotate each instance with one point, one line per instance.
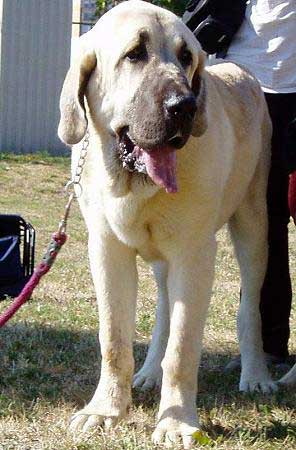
(114, 271)
(190, 279)
(150, 374)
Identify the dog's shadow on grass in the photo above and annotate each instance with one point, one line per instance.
(62, 365)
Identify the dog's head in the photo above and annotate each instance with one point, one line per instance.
(141, 71)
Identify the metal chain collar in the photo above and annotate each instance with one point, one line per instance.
(75, 181)
(73, 188)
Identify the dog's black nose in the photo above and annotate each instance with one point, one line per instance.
(181, 107)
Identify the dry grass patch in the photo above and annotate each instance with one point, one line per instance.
(50, 354)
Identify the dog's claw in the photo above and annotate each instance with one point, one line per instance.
(265, 387)
(92, 422)
(78, 423)
(172, 438)
(146, 380)
(158, 436)
(82, 422)
(110, 422)
(188, 442)
(146, 384)
(171, 433)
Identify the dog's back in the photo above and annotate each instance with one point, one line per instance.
(242, 129)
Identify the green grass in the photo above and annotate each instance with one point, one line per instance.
(50, 355)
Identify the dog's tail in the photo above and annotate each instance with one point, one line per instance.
(290, 378)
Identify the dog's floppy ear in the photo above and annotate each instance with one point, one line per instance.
(73, 121)
(198, 87)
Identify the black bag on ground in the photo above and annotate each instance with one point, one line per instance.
(214, 22)
(17, 248)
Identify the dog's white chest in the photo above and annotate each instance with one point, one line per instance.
(124, 217)
(129, 220)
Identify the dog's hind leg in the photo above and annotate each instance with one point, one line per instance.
(114, 272)
(248, 227)
(150, 374)
(290, 378)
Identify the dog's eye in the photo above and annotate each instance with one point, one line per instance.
(185, 57)
(138, 53)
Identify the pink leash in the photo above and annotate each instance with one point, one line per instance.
(57, 241)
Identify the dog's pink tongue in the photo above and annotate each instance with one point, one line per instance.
(161, 166)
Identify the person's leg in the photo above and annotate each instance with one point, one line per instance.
(276, 294)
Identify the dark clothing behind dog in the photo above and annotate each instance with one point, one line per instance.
(214, 23)
(276, 293)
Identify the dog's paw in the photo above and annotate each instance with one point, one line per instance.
(85, 420)
(103, 410)
(171, 433)
(148, 377)
(265, 386)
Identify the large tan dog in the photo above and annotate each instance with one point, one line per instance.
(176, 151)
